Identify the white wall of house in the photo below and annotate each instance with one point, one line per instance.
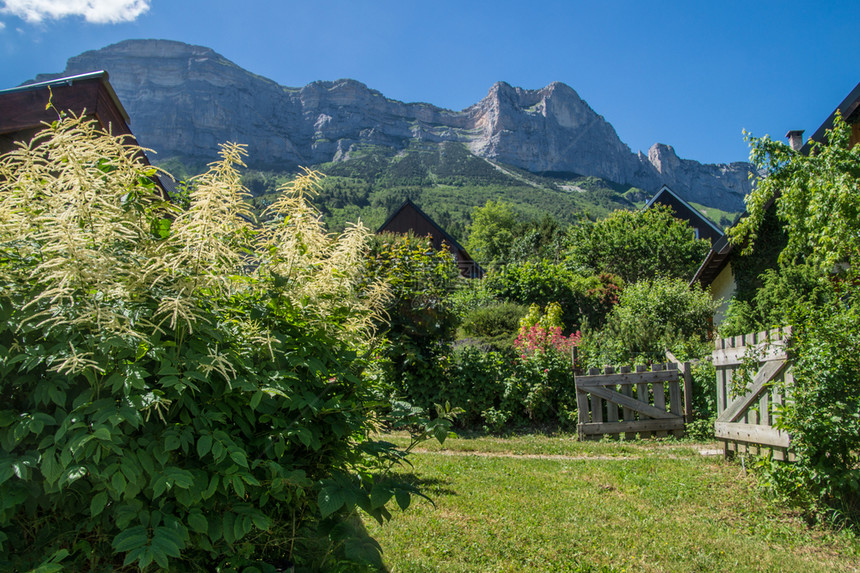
(722, 289)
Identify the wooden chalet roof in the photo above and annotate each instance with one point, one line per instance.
(683, 210)
(410, 218)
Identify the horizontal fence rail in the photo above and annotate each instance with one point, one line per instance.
(643, 401)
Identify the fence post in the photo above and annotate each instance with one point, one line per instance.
(688, 392)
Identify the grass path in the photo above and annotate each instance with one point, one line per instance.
(537, 503)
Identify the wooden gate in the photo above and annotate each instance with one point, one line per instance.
(745, 417)
(633, 402)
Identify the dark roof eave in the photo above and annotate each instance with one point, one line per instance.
(715, 262)
(847, 108)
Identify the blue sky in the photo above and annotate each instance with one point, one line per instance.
(690, 74)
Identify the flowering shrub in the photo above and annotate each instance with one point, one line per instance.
(542, 381)
(537, 339)
(180, 389)
(543, 333)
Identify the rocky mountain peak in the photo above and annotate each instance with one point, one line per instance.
(663, 158)
(184, 100)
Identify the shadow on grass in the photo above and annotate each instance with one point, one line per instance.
(428, 486)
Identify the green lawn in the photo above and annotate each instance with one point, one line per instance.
(537, 503)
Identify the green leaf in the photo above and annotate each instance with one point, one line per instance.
(403, 498)
(102, 433)
(238, 456)
(379, 495)
(198, 522)
(238, 486)
(163, 541)
(204, 444)
(227, 526)
(98, 502)
(261, 522)
(130, 539)
(118, 482)
(50, 468)
(213, 486)
(255, 399)
(330, 499)
(171, 441)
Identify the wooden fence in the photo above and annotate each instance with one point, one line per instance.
(623, 401)
(745, 416)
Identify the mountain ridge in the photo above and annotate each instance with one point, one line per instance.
(184, 100)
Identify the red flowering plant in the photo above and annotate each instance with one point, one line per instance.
(543, 334)
(543, 378)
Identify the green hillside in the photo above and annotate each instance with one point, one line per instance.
(447, 182)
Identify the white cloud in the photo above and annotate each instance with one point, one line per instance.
(2, 25)
(94, 11)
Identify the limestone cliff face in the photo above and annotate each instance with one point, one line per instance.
(551, 129)
(185, 100)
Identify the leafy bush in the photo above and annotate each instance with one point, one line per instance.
(492, 232)
(178, 390)
(822, 414)
(471, 295)
(785, 291)
(475, 382)
(583, 299)
(815, 198)
(531, 386)
(637, 245)
(651, 317)
(541, 390)
(495, 325)
(420, 322)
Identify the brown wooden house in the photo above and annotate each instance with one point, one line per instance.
(410, 218)
(705, 229)
(24, 110)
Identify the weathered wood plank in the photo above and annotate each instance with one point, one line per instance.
(611, 408)
(628, 378)
(596, 407)
(582, 413)
(765, 351)
(752, 434)
(636, 405)
(675, 398)
(688, 391)
(627, 415)
(765, 374)
(637, 426)
(659, 397)
(643, 390)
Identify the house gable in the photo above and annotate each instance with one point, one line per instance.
(410, 218)
(705, 229)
